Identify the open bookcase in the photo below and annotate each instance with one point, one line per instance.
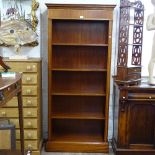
(79, 77)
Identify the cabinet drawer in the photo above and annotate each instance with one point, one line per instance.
(28, 134)
(23, 66)
(13, 112)
(28, 123)
(32, 145)
(8, 112)
(134, 70)
(29, 90)
(144, 96)
(79, 14)
(30, 112)
(133, 76)
(29, 79)
(27, 102)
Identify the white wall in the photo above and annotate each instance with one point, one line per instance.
(147, 39)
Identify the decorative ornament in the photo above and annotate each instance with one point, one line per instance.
(15, 29)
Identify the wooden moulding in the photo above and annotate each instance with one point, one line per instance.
(71, 11)
(77, 147)
(129, 151)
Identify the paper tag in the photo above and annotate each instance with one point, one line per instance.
(8, 74)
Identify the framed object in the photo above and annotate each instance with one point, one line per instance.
(18, 22)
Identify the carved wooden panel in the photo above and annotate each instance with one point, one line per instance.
(123, 37)
(138, 34)
(130, 40)
(136, 54)
(127, 10)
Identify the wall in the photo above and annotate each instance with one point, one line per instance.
(147, 39)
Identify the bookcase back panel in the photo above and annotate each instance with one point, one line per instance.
(65, 129)
(80, 32)
(84, 106)
(79, 82)
(75, 57)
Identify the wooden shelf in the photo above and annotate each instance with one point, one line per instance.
(79, 57)
(77, 127)
(79, 70)
(78, 116)
(80, 32)
(79, 82)
(78, 138)
(78, 146)
(79, 134)
(78, 107)
(79, 94)
(77, 44)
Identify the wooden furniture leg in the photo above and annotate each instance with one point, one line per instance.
(20, 109)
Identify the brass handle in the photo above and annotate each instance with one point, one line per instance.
(28, 79)
(29, 102)
(150, 97)
(3, 113)
(123, 103)
(29, 113)
(29, 124)
(28, 68)
(28, 91)
(29, 146)
(34, 66)
(29, 135)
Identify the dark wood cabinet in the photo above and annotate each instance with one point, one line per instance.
(134, 120)
(79, 58)
(134, 103)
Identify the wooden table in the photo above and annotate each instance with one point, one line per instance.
(10, 87)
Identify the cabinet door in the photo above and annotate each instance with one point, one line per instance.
(141, 124)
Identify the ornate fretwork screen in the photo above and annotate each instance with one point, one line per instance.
(130, 37)
(131, 32)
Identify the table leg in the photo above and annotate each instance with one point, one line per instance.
(20, 109)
